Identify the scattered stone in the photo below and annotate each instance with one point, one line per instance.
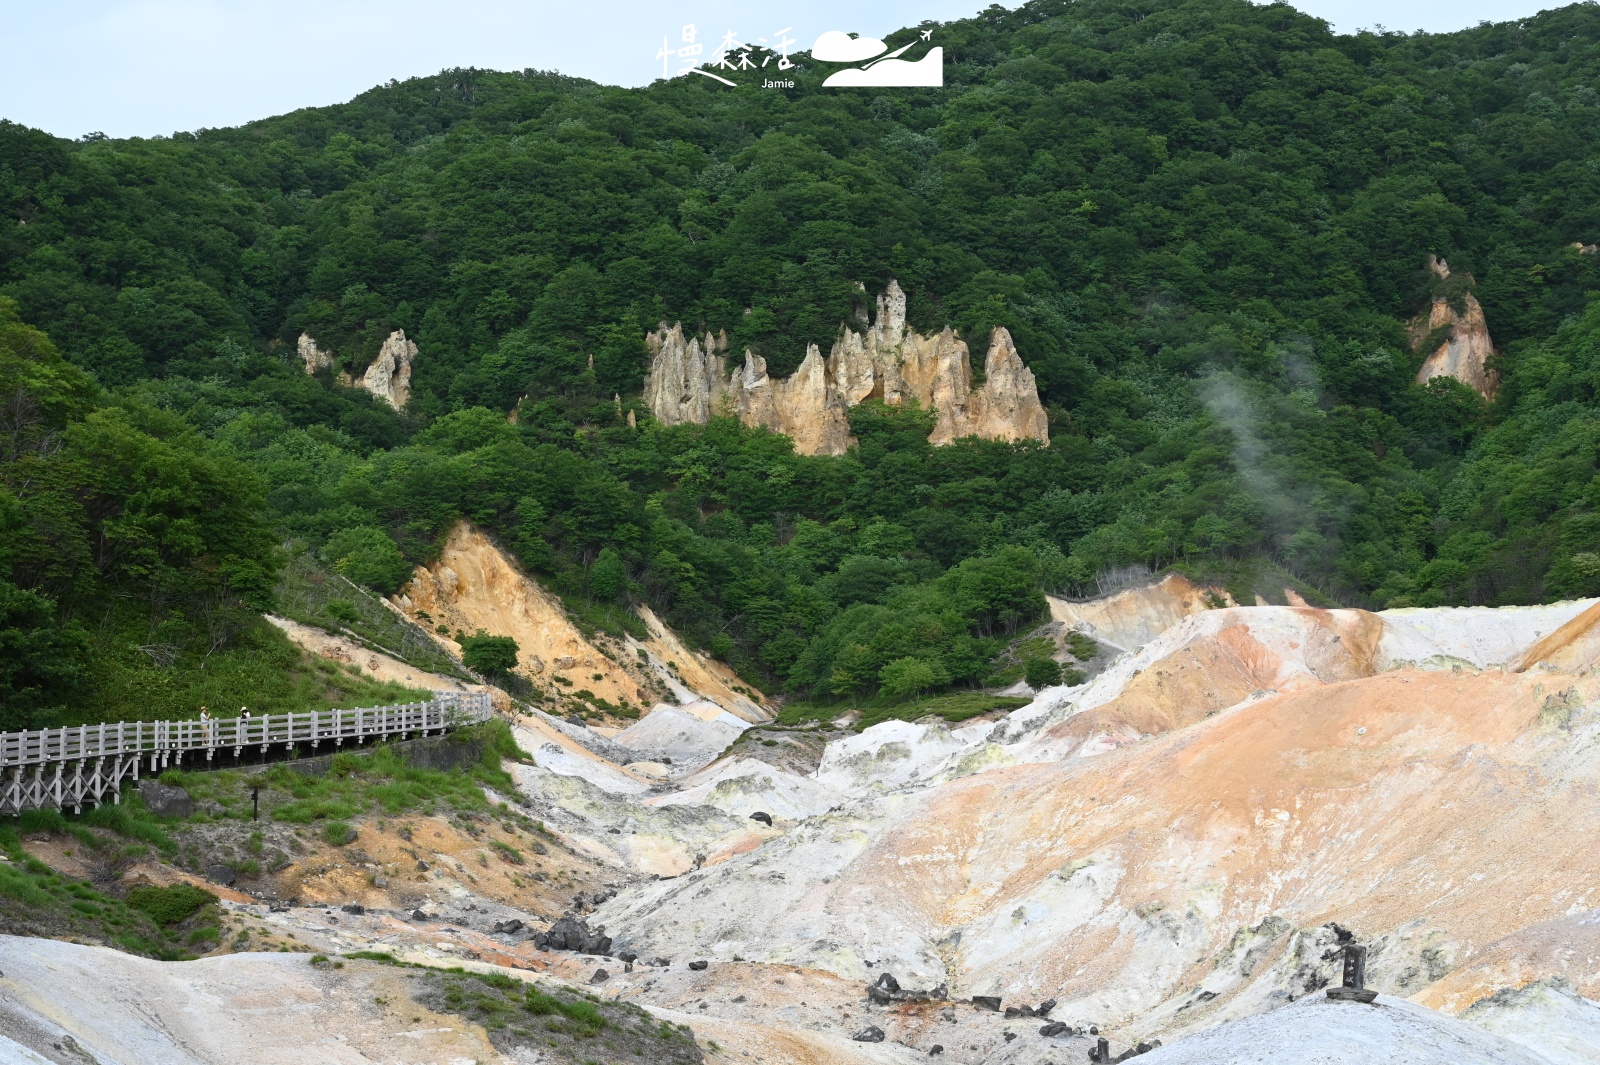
(1056, 1028)
(935, 1050)
(418, 915)
(661, 963)
(165, 800)
(764, 818)
(986, 1002)
(600, 976)
(540, 848)
(422, 866)
(628, 956)
(1041, 1010)
(1010, 1036)
(738, 998)
(221, 874)
(510, 927)
(698, 966)
(570, 933)
(353, 907)
(870, 1034)
(887, 989)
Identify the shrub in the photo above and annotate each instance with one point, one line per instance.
(1042, 672)
(911, 676)
(489, 654)
(368, 556)
(169, 905)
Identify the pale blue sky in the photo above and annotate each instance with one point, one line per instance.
(147, 67)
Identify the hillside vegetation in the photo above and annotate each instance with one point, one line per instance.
(1205, 223)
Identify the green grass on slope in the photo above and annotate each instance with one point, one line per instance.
(309, 593)
(379, 780)
(558, 1024)
(135, 679)
(169, 923)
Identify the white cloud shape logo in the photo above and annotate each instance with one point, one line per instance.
(889, 72)
(837, 47)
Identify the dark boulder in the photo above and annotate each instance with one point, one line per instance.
(600, 976)
(353, 907)
(165, 800)
(221, 874)
(986, 1002)
(570, 933)
(510, 927)
(887, 989)
(935, 1050)
(870, 1034)
(1056, 1028)
(698, 966)
(764, 818)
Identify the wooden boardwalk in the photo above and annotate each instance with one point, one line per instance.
(60, 767)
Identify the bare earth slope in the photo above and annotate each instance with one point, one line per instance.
(1175, 849)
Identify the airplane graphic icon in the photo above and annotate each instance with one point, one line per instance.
(927, 35)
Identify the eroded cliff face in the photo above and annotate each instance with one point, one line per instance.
(389, 376)
(473, 585)
(1465, 350)
(689, 382)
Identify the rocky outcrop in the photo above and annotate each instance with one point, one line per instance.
(313, 357)
(686, 378)
(1464, 351)
(689, 382)
(389, 376)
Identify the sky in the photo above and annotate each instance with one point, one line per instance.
(151, 67)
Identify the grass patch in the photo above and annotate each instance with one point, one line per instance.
(37, 901)
(952, 707)
(259, 668)
(379, 780)
(566, 1026)
(310, 593)
(170, 905)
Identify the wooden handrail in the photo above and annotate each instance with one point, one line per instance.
(126, 743)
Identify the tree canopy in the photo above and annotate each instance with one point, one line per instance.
(1205, 222)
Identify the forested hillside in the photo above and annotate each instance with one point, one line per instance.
(1205, 223)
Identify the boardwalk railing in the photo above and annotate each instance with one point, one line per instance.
(70, 766)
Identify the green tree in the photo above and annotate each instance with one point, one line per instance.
(911, 676)
(490, 655)
(368, 556)
(1041, 672)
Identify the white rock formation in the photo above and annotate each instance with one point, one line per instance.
(389, 376)
(313, 357)
(686, 378)
(688, 381)
(1465, 350)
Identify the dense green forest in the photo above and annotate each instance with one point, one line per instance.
(1205, 222)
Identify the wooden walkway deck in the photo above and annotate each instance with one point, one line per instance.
(60, 767)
